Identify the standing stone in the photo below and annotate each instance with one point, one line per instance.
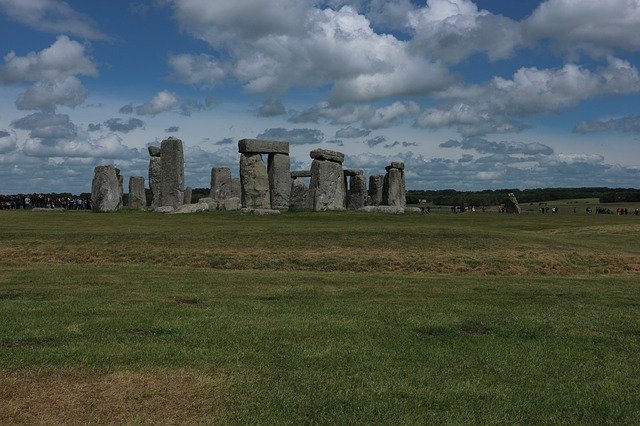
(154, 180)
(254, 181)
(394, 191)
(121, 186)
(327, 190)
(279, 171)
(105, 190)
(236, 188)
(376, 184)
(299, 199)
(220, 183)
(357, 191)
(511, 204)
(137, 195)
(172, 173)
(154, 151)
(188, 194)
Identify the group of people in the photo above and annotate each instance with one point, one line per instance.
(44, 201)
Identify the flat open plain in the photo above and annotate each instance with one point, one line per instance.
(319, 317)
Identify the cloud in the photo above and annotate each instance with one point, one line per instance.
(454, 29)
(225, 141)
(94, 127)
(370, 118)
(47, 127)
(293, 136)
(378, 140)
(352, 132)
(52, 16)
(126, 109)
(108, 146)
(630, 124)
(172, 129)
(190, 106)
(161, 102)
(336, 142)
(390, 115)
(597, 27)
(118, 125)
(8, 142)
(493, 107)
(64, 58)
(271, 107)
(200, 69)
(484, 146)
(46, 95)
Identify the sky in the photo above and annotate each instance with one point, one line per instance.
(471, 95)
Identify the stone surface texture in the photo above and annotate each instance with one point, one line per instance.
(376, 184)
(357, 191)
(210, 202)
(254, 181)
(511, 204)
(137, 194)
(121, 188)
(154, 180)
(154, 151)
(394, 192)
(191, 208)
(231, 204)
(261, 212)
(382, 209)
(299, 199)
(188, 194)
(259, 146)
(236, 188)
(220, 183)
(164, 209)
(300, 173)
(105, 190)
(327, 155)
(171, 173)
(279, 171)
(327, 190)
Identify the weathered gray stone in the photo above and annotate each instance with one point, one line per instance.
(279, 171)
(231, 204)
(220, 183)
(394, 192)
(299, 195)
(300, 173)
(357, 191)
(121, 185)
(395, 165)
(261, 212)
(164, 209)
(376, 184)
(236, 188)
(191, 208)
(511, 204)
(353, 172)
(137, 194)
(259, 146)
(327, 190)
(412, 210)
(210, 202)
(154, 180)
(105, 190)
(47, 210)
(172, 173)
(254, 181)
(327, 155)
(188, 194)
(154, 151)
(382, 209)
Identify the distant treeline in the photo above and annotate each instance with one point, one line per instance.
(450, 197)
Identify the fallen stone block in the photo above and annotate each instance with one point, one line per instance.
(260, 212)
(231, 204)
(382, 209)
(191, 208)
(164, 209)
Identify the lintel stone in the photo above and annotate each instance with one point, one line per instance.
(300, 173)
(259, 146)
(327, 155)
(353, 172)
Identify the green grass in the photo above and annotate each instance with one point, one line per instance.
(318, 318)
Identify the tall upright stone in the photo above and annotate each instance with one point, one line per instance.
(154, 180)
(121, 188)
(188, 195)
(511, 204)
(357, 190)
(220, 183)
(394, 187)
(137, 194)
(376, 184)
(279, 171)
(254, 181)
(171, 173)
(105, 190)
(327, 190)
(236, 188)
(299, 199)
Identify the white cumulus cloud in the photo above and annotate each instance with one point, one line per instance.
(163, 101)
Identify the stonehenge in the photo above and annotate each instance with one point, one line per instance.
(154, 175)
(264, 187)
(137, 195)
(376, 184)
(221, 185)
(394, 187)
(105, 190)
(357, 195)
(327, 190)
(511, 204)
(171, 173)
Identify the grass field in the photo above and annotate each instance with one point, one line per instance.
(318, 318)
